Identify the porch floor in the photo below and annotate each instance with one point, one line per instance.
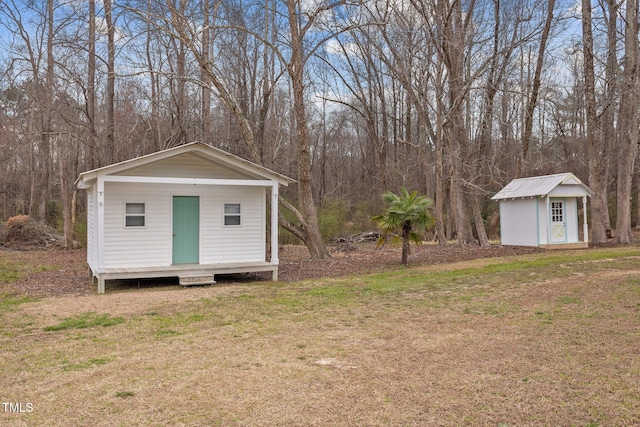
(577, 245)
(183, 271)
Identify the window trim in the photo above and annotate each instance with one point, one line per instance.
(142, 215)
(557, 211)
(226, 215)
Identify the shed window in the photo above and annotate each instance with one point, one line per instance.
(134, 215)
(557, 212)
(232, 214)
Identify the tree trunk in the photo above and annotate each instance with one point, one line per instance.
(91, 89)
(637, 226)
(440, 180)
(46, 128)
(608, 134)
(595, 150)
(154, 87)
(406, 248)
(455, 128)
(628, 124)
(205, 90)
(65, 197)
(479, 221)
(307, 205)
(110, 149)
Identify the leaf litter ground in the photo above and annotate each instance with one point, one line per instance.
(550, 344)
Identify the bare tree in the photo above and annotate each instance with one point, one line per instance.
(423, 93)
(91, 88)
(595, 146)
(507, 34)
(628, 123)
(308, 230)
(607, 121)
(533, 97)
(111, 82)
(453, 27)
(180, 27)
(36, 49)
(207, 11)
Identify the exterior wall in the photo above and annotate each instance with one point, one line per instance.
(542, 212)
(567, 190)
(519, 222)
(151, 245)
(185, 165)
(92, 228)
(571, 220)
(571, 208)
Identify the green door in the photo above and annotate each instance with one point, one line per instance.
(186, 229)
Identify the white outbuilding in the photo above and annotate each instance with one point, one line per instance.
(190, 212)
(542, 211)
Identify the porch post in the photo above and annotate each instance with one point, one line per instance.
(274, 229)
(100, 233)
(585, 226)
(548, 203)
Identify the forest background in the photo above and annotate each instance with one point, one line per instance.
(453, 98)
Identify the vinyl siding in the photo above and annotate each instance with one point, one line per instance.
(151, 245)
(542, 221)
(92, 230)
(519, 222)
(245, 242)
(572, 220)
(186, 165)
(568, 191)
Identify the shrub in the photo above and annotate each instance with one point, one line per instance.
(332, 219)
(17, 221)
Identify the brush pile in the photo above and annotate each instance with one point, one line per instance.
(22, 233)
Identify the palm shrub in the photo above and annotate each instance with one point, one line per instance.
(405, 216)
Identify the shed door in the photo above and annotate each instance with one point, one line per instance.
(186, 229)
(558, 222)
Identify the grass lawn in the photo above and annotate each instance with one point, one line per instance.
(546, 339)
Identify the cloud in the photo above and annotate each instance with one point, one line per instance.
(102, 30)
(334, 47)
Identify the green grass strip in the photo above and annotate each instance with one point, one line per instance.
(86, 320)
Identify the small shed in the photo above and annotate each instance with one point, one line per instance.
(542, 211)
(190, 212)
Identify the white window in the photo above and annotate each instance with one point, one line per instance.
(232, 214)
(557, 212)
(134, 214)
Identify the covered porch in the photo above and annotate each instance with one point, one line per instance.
(187, 274)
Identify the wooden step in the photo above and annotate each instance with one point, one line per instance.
(197, 280)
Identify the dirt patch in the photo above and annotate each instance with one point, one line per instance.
(54, 272)
(364, 258)
(70, 275)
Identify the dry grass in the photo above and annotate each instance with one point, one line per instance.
(543, 339)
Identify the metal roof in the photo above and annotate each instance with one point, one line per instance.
(536, 186)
